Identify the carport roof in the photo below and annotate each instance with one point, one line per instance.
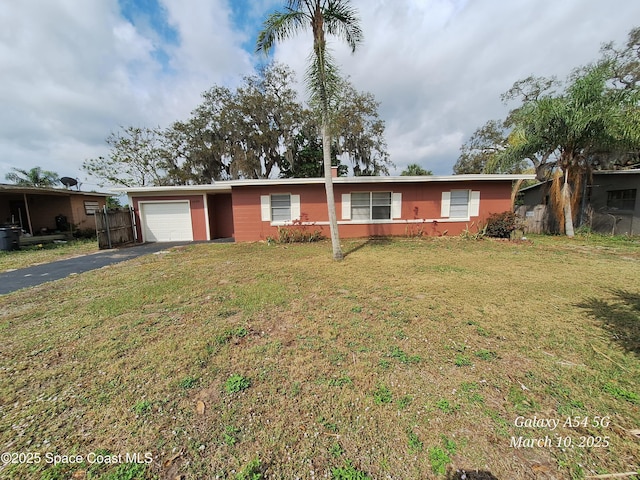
(6, 188)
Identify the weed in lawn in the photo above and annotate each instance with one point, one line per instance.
(487, 355)
(501, 425)
(142, 407)
(340, 381)
(188, 382)
(348, 472)
(439, 460)
(404, 402)
(482, 332)
(337, 358)
(384, 364)
(449, 445)
(441, 457)
(336, 450)
(446, 407)
(236, 383)
(127, 471)
(470, 390)
(228, 335)
(382, 395)
(519, 400)
(295, 389)
(400, 335)
(402, 357)
(331, 426)
(230, 435)
(251, 471)
(462, 360)
(620, 393)
(415, 445)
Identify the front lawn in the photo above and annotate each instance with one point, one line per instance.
(411, 359)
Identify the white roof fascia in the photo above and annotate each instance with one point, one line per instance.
(227, 185)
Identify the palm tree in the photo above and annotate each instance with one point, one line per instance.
(414, 170)
(36, 177)
(333, 17)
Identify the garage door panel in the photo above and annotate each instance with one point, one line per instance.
(166, 222)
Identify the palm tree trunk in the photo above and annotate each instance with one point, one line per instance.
(566, 206)
(328, 185)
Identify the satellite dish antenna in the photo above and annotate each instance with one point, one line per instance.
(68, 182)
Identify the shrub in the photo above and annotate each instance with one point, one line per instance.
(298, 232)
(500, 225)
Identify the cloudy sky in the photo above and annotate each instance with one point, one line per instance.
(73, 71)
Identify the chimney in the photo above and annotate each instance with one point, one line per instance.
(334, 172)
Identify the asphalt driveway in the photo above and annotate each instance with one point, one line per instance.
(32, 276)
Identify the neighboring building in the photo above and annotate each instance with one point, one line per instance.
(46, 210)
(611, 203)
(252, 210)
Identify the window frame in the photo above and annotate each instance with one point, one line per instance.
(626, 201)
(277, 209)
(267, 208)
(371, 206)
(91, 207)
(473, 204)
(455, 204)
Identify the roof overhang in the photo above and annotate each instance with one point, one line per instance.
(595, 173)
(227, 186)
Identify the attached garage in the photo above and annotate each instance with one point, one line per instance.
(166, 221)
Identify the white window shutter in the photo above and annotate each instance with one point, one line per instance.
(396, 205)
(445, 205)
(346, 206)
(474, 203)
(295, 207)
(265, 207)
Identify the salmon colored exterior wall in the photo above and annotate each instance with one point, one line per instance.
(198, 217)
(419, 201)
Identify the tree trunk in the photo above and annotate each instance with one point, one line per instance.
(328, 184)
(566, 206)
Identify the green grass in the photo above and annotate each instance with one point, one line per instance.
(350, 370)
(31, 255)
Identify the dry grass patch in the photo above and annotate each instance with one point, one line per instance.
(410, 359)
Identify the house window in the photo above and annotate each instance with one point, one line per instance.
(371, 206)
(459, 206)
(90, 208)
(621, 199)
(280, 208)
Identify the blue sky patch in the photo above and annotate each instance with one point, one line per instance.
(150, 18)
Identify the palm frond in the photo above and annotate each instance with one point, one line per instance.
(280, 26)
(322, 78)
(342, 21)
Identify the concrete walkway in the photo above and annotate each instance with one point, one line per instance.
(31, 276)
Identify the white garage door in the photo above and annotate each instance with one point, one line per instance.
(166, 221)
